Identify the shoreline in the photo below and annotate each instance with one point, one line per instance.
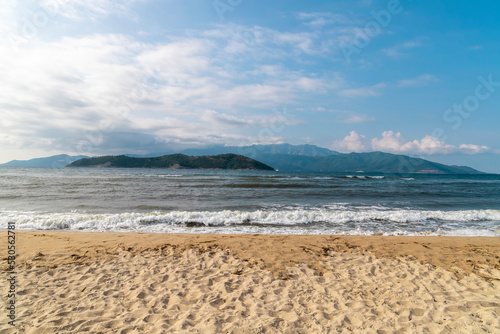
(211, 283)
(458, 254)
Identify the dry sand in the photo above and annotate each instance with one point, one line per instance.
(163, 283)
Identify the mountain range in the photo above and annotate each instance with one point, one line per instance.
(251, 151)
(286, 157)
(61, 160)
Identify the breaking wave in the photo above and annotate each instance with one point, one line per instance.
(316, 220)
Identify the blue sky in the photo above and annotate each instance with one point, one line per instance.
(94, 77)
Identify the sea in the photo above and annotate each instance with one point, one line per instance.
(254, 202)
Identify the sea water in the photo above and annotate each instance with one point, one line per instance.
(271, 202)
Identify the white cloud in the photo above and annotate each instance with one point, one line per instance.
(399, 50)
(347, 116)
(7, 15)
(422, 80)
(318, 19)
(393, 142)
(303, 41)
(474, 149)
(388, 142)
(222, 120)
(326, 35)
(362, 92)
(177, 62)
(357, 119)
(351, 143)
(88, 9)
(259, 42)
(146, 91)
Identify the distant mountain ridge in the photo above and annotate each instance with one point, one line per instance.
(309, 158)
(301, 150)
(61, 160)
(251, 150)
(175, 161)
(372, 162)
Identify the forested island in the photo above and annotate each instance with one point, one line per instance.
(175, 161)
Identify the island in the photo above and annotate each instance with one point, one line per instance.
(175, 161)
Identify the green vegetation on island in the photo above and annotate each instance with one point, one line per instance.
(175, 161)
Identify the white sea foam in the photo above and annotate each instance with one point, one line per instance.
(330, 220)
(376, 177)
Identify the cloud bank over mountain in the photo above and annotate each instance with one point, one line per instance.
(394, 142)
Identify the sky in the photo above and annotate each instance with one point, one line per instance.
(96, 77)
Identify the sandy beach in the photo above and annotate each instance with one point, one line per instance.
(192, 283)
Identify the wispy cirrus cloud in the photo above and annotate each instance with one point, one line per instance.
(347, 116)
(89, 9)
(374, 90)
(401, 49)
(422, 80)
(357, 119)
(320, 19)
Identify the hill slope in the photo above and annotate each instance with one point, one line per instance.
(311, 158)
(373, 162)
(175, 161)
(249, 151)
(61, 160)
(254, 150)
